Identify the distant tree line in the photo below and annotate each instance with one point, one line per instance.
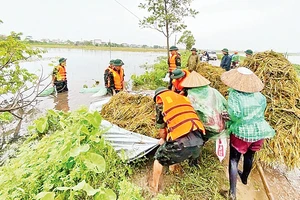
(30, 40)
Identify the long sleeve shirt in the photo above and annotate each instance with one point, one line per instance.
(226, 62)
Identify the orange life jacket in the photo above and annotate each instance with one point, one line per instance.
(61, 73)
(118, 78)
(180, 116)
(172, 63)
(177, 83)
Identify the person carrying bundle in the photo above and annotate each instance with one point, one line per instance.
(116, 78)
(247, 125)
(180, 132)
(208, 103)
(178, 76)
(107, 71)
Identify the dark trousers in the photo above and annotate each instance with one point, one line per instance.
(170, 82)
(234, 159)
(61, 86)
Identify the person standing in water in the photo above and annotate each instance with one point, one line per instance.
(59, 76)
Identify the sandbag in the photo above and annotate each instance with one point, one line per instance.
(101, 92)
(91, 90)
(47, 92)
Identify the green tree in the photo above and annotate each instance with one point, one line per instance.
(187, 39)
(18, 87)
(166, 16)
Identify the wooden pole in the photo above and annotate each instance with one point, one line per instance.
(264, 180)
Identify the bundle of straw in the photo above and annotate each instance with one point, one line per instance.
(132, 112)
(282, 90)
(213, 74)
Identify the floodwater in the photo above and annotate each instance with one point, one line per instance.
(86, 66)
(83, 68)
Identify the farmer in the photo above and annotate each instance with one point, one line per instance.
(248, 128)
(179, 75)
(193, 60)
(108, 71)
(59, 76)
(180, 132)
(226, 60)
(207, 101)
(248, 53)
(116, 78)
(174, 62)
(235, 59)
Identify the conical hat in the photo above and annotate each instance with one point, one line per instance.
(242, 79)
(194, 80)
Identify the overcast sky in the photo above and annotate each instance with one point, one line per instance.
(234, 24)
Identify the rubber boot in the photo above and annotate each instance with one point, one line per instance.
(248, 161)
(234, 159)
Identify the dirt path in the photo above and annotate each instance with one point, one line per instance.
(279, 185)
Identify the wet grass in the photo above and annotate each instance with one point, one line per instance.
(191, 183)
(64, 46)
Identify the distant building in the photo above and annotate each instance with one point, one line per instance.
(97, 42)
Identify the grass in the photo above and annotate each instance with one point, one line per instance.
(66, 158)
(98, 48)
(297, 67)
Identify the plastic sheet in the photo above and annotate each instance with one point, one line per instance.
(101, 92)
(92, 89)
(209, 105)
(47, 92)
(129, 145)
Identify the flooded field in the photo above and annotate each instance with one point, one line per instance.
(83, 68)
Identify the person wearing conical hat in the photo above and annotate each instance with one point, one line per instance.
(226, 60)
(248, 127)
(108, 71)
(178, 76)
(174, 62)
(180, 132)
(207, 101)
(193, 60)
(116, 77)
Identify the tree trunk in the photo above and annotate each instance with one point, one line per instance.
(167, 30)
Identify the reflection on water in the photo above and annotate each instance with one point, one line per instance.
(61, 102)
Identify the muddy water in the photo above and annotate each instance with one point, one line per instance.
(83, 68)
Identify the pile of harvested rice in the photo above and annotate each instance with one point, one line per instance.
(213, 74)
(282, 90)
(132, 112)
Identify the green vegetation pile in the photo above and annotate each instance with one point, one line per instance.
(213, 74)
(153, 76)
(66, 158)
(282, 90)
(132, 112)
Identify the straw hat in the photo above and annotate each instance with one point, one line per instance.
(242, 79)
(195, 80)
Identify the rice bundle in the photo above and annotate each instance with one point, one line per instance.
(132, 112)
(213, 74)
(282, 90)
